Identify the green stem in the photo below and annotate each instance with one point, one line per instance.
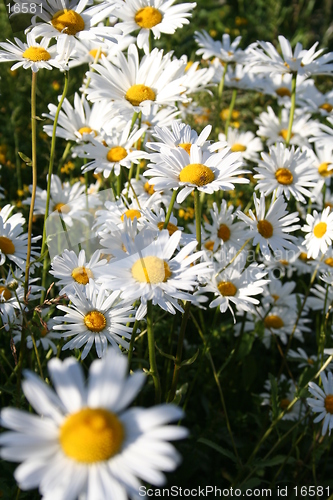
(152, 355)
(178, 360)
(169, 212)
(48, 190)
(231, 108)
(292, 108)
(131, 346)
(221, 84)
(197, 210)
(34, 178)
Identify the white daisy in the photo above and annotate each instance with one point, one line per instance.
(86, 436)
(68, 20)
(79, 122)
(320, 232)
(144, 192)
(224, 50)
(266, 59)
(280, 294)
(86, 51)
(245, 143)
(73, 269)
(154, 273)
(322, 136)
(271, 230)
(95, 316)
(157, 16)
(322, 402)
(197, 170)
(135, 85)
(34, 55)
(321, 298)
(286, 171)
(117, 149)
(287, 392)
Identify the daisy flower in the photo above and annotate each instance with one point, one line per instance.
(144, 192)
(86, 51)
(303, 359)
(286, 171)
(224, 50)
(287, 392)
(85, 435)
(320, 232)
(34, 55)
(94, 316)
(153, 220)
(224, 231)
(322, 136)
(321, 298)
(69, 20)
(322, 402)
(115, 151)
(266, 59)
(271, 229)
(134, 85)
(280, 294)
(198, 170)
(245, 143)
(73, 269)
(154, 273)
(79, 122)
(157, 16)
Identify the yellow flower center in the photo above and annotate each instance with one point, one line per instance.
(224, 232)
(283, 92)
(81, 275)
(275, 297)
(227, 289)
(151, 269)
(238, 148)
(186, 146)
(196, 173)
(329, 403)
(303, 256)
(327, 107)
(209, 245)
(284, 176)
(36, 54)
(329, 261)
(320, 229)
(131, 214)
(148, 17)
(170, 227)
(95, 321)
(139, 93)
(44, 331)
(91, 435)
(61, 208)
(265, 228)
(188, 65)
(149, 188)
(273, 321)
(284, 134)
(310, 361)
(6, 245)
(86, 130)
(94, 52)
(5, 292)
(323, 169)
(68, 21)
(284, 262)
(284, 403)
(117, 153)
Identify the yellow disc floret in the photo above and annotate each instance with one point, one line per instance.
(151, 269)
(68, 22)
(149, 188)
(6, 245)
(61, 208)
(283, 92)
(36, 54)
(227, 289)
(139, 93)
(329, 403)
(186, 146)
(131, 214)
(238, 148)
(320, 229)
(148, 17)
(91, 435)
(284, 134)
(87, 130)
(326, 107)
(170, 227)
(82, 275)
(196, 173)
(329, 261)
(5, 293)
(323, 169)
(284, 176)
(95, 321)
(116, 153)
(273, 321)
(265, 228)
(224, 232)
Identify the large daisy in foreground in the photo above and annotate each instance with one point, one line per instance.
(84, 442)
(322, 402)
(320, 232)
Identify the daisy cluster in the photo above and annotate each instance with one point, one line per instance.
(147, 158)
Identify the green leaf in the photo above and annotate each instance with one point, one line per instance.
(180, 393)
(25, 158)
(274, 396)
(218, 448)
(169, 356)
(279, 459)
(191, 360)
